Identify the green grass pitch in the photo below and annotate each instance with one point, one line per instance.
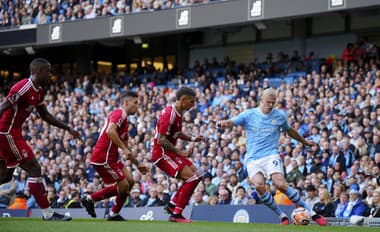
(101, 225)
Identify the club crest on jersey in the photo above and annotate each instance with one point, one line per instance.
(274, 122)
(15, 97)
(120, 122)
(24, 153)
(178, 160)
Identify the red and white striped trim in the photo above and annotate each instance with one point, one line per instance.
(35, 180)
(171, 120)
(25, 88)
(108, 150)
(192, 178)
(34, 87)
(111, 171)
(13, 147)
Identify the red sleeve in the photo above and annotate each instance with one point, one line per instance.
(17, 92)
(165, 121)
(116, 117)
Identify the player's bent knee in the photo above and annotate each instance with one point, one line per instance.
(123, 187)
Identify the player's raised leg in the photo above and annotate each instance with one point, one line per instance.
(267, 199)
(280, 183)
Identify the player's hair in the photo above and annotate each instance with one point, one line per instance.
(184, 91)
(126, 95)
(38, 62)
(269, 92)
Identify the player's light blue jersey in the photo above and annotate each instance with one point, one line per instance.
(262, 131)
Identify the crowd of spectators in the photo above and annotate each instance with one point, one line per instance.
(336, 106)
(20, 12)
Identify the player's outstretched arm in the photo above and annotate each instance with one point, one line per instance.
(167, 145)
(49, 118)
(4, 106)
(198, 138)
(295, 135)
(225, 123)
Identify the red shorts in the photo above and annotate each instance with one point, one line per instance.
(14, 150)
(170, 162)
(111, 172)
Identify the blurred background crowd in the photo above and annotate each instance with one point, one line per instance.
(336, 104)
(21, 12)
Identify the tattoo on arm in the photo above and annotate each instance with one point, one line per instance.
(166, 144)
(184, 136)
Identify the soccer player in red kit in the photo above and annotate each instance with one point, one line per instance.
(172, 160)
(107, 162)
(24, 97)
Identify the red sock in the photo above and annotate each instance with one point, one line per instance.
(120, 200)
(37, 189)
(174, 199)
(104, 193)
(184, 193)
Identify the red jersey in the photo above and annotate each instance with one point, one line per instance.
(170, 124)
(105, 150)
(24, 97)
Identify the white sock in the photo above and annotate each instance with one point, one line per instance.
(47, 213)
(112, 214)
(312, 213)
(282, 215)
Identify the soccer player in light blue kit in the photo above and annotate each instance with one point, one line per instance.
(263, 126)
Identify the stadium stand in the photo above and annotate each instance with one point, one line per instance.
(338, 117)
(16, 13)
(334, 103)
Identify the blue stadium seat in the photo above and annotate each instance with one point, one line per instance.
(296, 75)
(189, 74)
(127, 79)
(220, 79)
(170, 84)
(235, 69)
(282, 66)
(218, 71)
(289, 79)
(275, 82)
(264, 66)
(313, 64)
(145, 77)
(161, 86)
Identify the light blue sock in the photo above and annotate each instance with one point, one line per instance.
(268, 200)
(297, 199)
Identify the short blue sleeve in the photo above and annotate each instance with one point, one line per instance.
(240, 119)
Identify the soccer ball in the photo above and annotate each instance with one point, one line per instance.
(300, 216)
